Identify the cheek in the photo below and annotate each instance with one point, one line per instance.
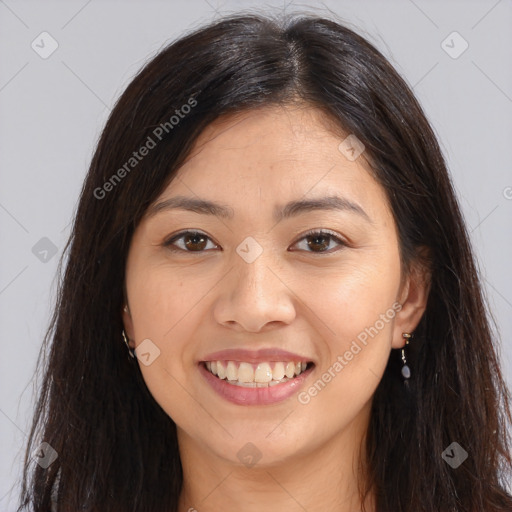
(162, 298)
(356, 345)
(352, 298)
(167, 309)
(353, 312)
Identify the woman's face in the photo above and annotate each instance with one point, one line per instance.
(258, 290)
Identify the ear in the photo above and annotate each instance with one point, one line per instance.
(128, 326)
(413, 296)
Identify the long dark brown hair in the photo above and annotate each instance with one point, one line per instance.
(117, 449)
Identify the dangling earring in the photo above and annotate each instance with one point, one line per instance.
(406, 371)
(130, 350)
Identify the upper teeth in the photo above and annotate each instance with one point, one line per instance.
(261, 372)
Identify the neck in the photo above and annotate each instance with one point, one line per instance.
(326, 478)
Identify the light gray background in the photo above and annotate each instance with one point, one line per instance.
(52, 111)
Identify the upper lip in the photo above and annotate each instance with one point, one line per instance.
(255, 356)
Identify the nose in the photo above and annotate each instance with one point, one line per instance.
(254, 297)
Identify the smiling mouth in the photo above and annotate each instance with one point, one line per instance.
(257, 375)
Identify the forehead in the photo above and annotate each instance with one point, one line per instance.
(268, 136)
(275, 154)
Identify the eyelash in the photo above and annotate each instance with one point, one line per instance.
(312, 233)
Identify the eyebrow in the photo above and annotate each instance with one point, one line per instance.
(291, 209)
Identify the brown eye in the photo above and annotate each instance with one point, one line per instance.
(190, 241)
(194, 241)
(320, 241)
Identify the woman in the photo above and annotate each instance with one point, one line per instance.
(270, 301)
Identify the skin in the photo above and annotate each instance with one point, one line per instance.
(292, 296)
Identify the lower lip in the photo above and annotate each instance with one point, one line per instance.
(254, 396)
